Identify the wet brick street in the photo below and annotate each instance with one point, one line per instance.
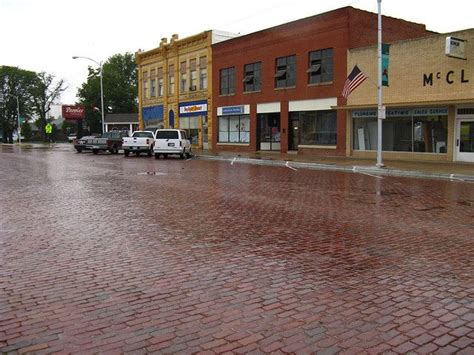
(111, 254)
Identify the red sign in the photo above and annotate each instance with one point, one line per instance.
(77, 112)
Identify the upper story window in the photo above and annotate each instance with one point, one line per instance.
(171, 79)
(160, 82)
(152, 83)
(145, 85)
(227, 78)
(184, 77)
(193, 75)
(320, 66)
(203, 73)
(253, 77)
(285, 72)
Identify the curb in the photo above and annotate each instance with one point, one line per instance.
(350, 169)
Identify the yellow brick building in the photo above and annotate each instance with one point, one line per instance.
(429, 101)
(174, 85)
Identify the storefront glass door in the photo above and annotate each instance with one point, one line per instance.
(465, 140)
(294, 134)
(269, 131)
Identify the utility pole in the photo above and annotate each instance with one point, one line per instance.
(380, 107)
(18, 118)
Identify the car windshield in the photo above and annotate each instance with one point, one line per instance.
(166, 134)
(143, 135)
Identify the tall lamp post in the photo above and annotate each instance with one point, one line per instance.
(101, 87)
(18, 117)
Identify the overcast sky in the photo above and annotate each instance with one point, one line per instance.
(44, 35)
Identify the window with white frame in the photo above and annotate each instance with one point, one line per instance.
(234, 129)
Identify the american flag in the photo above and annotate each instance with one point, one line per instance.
(355, 78)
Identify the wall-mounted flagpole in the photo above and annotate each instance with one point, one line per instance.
(381, 109)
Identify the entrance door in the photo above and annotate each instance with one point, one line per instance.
(268, 131)
(465, 140)
(205, 132)
(294, 134)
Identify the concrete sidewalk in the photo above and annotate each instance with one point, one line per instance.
(433, 170)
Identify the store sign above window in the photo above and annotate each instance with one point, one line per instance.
(429, 111)
(195, 108)
(152, 112)
(233, 110)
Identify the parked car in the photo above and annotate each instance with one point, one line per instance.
(140, 141)
(81, 143)
(71, 137)
(171, 141)
(109, 141)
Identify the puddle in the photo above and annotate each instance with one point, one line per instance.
(152, 173)
(424, 209)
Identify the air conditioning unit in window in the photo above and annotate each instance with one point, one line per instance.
(192, 88)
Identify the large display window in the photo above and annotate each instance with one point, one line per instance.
(234, 129)
(422, 130)
(316, 127)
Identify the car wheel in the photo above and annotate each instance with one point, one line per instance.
(157, 156)
(137, 153)
(126, 153)
(79, 150)
(95, 151)
(150, 152)
(115, 150)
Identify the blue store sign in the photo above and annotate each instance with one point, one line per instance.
(152, 113)
(233, 110)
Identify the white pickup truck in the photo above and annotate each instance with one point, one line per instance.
(140, 141)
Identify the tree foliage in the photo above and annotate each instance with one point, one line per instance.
(36, 92)
(45, 91)
(15, 95)
(120, 89)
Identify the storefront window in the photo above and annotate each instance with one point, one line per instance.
(191, 126)
(316, 127)
(234, 129)
(403, 130)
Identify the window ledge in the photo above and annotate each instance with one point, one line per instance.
(252, 92)
(239, 144)
(285, 88)
(224, 95)
(326, 83)
(317, 146)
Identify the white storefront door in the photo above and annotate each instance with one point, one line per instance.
(464, 142)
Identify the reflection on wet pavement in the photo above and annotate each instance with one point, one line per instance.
(102, 253)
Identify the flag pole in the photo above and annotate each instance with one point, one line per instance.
(380, 108)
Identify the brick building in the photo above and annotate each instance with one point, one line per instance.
(429, 101)
(275, 89)
(175, 84)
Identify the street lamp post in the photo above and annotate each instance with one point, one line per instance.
(101, 87)
(18, 118)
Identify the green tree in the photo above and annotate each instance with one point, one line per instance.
(120, 89)
(45, 91)
(26, 130)
(15, 84)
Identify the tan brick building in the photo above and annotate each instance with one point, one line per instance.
(175, 85)
(429, 101)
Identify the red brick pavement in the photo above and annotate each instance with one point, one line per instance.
(206, 257)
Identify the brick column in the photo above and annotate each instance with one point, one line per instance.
(284, 115)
